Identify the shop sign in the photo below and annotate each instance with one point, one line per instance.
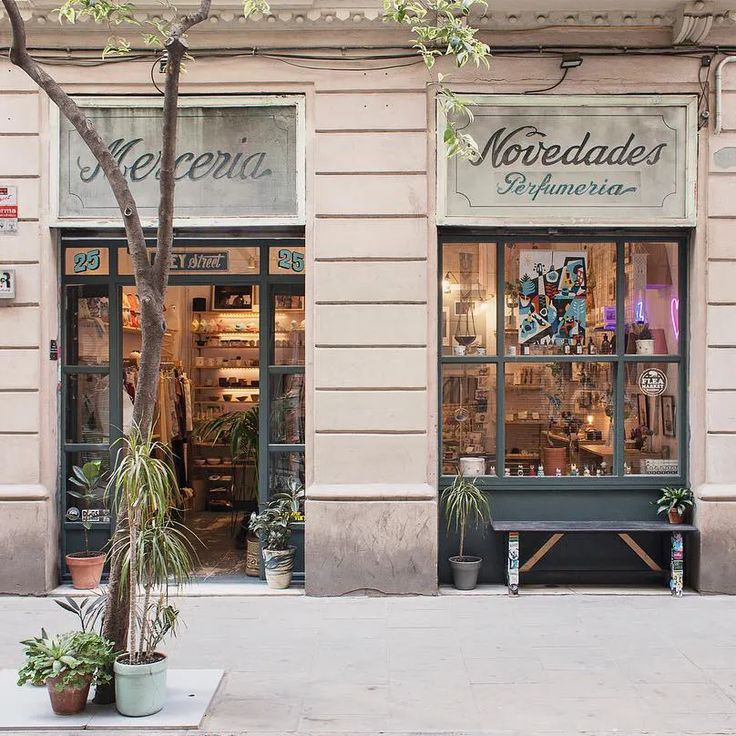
(8, 210)
(238, 160)
(7, 283)
(198, 261)
(570, 160)
(652, 382)
(96, 516)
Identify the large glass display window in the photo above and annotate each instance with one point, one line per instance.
(563, 358)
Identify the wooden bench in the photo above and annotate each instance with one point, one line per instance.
(624, 529)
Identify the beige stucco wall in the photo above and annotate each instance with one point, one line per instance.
(371, 364)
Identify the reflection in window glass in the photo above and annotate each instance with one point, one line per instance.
(285, 468)
(560, 298)
(288, 328)
(88, 408)
(469, 419)
(87, 325)
(287, 409)
(559, 419)
(469, 299)
(652, 298)
(650, 418)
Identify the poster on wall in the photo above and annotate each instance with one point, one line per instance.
(8, 210)
(552, 292)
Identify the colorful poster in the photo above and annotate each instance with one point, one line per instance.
(552, 292)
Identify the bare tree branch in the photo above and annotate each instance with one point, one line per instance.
(189, 21)
(121, 191)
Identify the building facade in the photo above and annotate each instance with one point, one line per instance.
(396, 317)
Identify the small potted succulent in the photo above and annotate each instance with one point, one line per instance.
(273, 526)
(86, 567)
(644, 339)
(675, 502)
(466, 506)
(67, 664)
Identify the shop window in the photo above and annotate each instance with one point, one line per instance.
(87, 325)
(286, 420)
(87, 412)
(468, 299)
(555, 380)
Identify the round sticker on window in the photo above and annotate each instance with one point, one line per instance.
(652, 382)
(72, 514)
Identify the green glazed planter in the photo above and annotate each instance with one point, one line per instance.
(140, 689)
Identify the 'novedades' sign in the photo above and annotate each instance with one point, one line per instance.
(235, 160)
(571, 160)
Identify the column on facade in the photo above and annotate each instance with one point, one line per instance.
(371, 514)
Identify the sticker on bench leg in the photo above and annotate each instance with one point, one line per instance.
(677, 562)
(512, 571)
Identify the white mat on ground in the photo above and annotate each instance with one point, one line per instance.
(188, 695)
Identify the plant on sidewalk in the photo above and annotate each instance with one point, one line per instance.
(155, 554)
(273, 527)
(675, 502)
(294, 496)
(86, 567)
(67, 664)
(90, 611)
(466, 507)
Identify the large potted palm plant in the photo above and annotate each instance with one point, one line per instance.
(155, 552)
(466, 507)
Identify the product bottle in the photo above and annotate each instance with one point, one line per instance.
(579, 347)
(591, 347)
(605, 345)
(566, 347)
(525, 349)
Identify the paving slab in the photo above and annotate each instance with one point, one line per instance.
(188, 695)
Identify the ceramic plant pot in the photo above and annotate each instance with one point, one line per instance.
(86, 569)
(70, 700)
(553, 458)
(465, 571)
(140, 689)
(675, 517)
(645, 347)
(472, 467)
(279, 564)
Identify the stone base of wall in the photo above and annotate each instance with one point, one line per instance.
(24, 546)
(715, 548)
(382, 546)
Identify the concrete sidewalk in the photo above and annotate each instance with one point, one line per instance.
(537, 664)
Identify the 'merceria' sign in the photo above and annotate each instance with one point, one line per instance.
(237, 159)
(574, 160)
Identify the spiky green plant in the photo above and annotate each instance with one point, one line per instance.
(466, 506)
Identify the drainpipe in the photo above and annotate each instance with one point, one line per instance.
(719, 93)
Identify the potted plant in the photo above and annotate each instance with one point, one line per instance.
(644, 339)
(465, 507)
(675, 502)
(154, 552)
(86, 567)
(273, 526)
(67, 664)
(294, 496)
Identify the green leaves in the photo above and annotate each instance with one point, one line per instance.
(251, 7)
(466, 506)
(273, 524)
(72, 657)
(675, 499)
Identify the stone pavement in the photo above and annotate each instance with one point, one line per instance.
(537, 664)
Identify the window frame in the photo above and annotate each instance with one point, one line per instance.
(500, 239)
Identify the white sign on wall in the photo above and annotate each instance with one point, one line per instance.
(8, 210)
(239, 161)
(571, 160)
(7, 283)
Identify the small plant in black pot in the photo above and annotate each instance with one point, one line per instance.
(675, 502)
(273, 526)
(466, 507)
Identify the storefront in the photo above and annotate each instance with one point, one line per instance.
(556, 317)
(235, 320)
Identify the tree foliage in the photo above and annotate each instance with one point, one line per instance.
(442, 28)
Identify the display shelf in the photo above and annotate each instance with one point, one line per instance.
(227, 388)
(234, 403)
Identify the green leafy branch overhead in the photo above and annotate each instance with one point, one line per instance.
(442, 28)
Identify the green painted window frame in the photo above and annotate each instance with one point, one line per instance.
(499, 239)
(268, 284)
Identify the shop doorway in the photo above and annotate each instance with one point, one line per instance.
(233, 356)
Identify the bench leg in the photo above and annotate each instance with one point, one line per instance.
(512, 564)
(677, 564)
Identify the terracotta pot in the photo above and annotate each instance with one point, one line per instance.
(69, 701)
(675, 517)
(553, 458)
(86, 569)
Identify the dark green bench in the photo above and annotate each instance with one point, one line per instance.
(624, 529)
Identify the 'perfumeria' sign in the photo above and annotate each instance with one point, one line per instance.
(575, 161)
(238, 159)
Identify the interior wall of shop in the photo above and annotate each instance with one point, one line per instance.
(372, 262)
